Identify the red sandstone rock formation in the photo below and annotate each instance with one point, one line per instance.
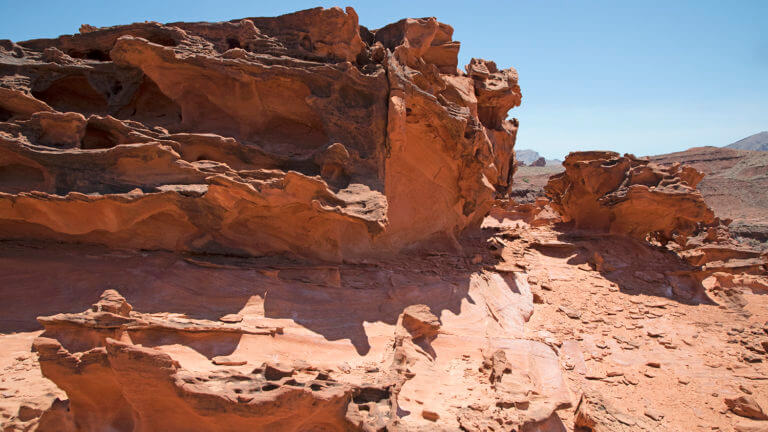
(120, 371)
(303, 134)
(289, 196)
(626, 195)
(629, 196)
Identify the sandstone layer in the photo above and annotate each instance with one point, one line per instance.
(624, 195)
(304, 134)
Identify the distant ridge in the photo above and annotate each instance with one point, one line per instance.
(758, 141)
(529, 156)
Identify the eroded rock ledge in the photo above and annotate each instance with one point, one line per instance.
(625, 195)
(305, 134)
(127, 370)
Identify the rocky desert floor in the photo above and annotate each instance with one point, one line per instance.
(642, 354)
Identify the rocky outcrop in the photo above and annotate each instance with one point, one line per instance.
(126, 370)
(595, 414)
(304, 134)
(626, 195)
(634, 197)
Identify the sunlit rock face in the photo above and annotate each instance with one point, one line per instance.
(627, 195)
(305, 135)
(234, 218)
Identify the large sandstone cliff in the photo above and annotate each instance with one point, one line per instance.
(304, 134)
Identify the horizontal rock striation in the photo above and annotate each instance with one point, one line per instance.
(305, 134)
(625, 195)
(127, 370)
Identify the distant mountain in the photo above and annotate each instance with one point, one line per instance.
(758, 141)
(529, 156)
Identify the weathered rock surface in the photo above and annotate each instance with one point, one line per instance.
(623, 195)
(626, 195)
(369, 367)
(304, 134)
(274, 217)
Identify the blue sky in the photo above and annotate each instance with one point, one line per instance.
(644, 77)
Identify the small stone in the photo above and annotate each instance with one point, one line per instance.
(746, 406)
(430, 415)
(750, 427)
(419, 321)
(570, 312)
(111, 301)
(624, 418)
(653, 364)
(274, 372)
(228, 361)
(596, 375)
(653, 414)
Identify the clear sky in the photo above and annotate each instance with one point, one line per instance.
(645, 77)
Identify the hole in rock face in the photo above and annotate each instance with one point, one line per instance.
(73, 93)
(97, 138)
(15, 178)
(5, 115)
(91, 54)
(99, 55)
(233, 43)
(150, 106)
(370, 394)
(161, 40)
(306, 43)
